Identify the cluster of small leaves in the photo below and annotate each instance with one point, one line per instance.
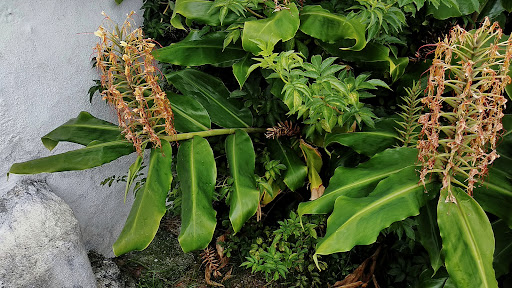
(287, 253)
(139, 183)
(380, 17)
(111, 179)
(325, 94)
(266, 109)
(406, 257)
(224, 6)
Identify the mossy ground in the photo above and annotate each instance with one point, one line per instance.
(163, 264)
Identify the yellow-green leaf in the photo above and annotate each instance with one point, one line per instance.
(149, 205)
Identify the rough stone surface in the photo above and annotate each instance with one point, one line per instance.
(45, 51)
(108, 274)
(40, 243)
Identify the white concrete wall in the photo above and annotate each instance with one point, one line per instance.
(45, 73)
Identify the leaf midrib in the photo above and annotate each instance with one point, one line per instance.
(185, 115)
(366, 180)
(103, 127)
(474, 247)
(377, 203)
(202, 91)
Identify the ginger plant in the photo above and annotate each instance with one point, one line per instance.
(461, 128)
(128, 76)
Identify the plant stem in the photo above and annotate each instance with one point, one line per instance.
(254, 13)
(214, 132)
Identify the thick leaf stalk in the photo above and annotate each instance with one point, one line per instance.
(128, 76)
(460, 131)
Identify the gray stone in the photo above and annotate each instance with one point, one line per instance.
(43, 86)
(108, 274)
(40, 243)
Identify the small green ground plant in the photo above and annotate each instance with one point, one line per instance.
(257, 106)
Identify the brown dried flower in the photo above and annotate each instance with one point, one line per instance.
(128, 75)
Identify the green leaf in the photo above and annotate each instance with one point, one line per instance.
(119, 2)
(80, 159)
(207, 50)
(503, 253)
(244, 197)
(459, 8)
(314, 164)
(359, 181)
(149, 205)
(441, 279)
(468, 241)
(197, 174)
(429, 234)
(282, 25)
(358, 221)
(241, 69)
(189, 115)
(199, 11)
(132, 173)
(296, 171)
(507, 5)
(369, 141)
(495, 193)
(374, 55)
(82, 130)
(321, 24)
(213, 95)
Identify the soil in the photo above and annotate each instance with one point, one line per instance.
(163, 264)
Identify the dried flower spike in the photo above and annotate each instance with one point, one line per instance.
(285, 128)
(128, 75)
(460, 131)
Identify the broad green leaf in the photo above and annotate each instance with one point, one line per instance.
(358, 221)
(244, 197)
(321, 24)
(503, 253)
(359, 181)
(369, 141)
(441, 279)
(132, 172)
(505, 144)
(241, 69)
(429, 234)
(314, 164)
(495, 194)
(507, 5)
(296, 171)
(197, 174)
(199, 11)
(281, 26)
(189, 115)
(374, 55)
(462, 7)
(468, 241)
(207, 50)
(149, 205)
(82, 130)
(213, 95)
(80, 159)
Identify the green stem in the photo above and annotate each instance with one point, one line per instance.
(214, 132)
(254, 13)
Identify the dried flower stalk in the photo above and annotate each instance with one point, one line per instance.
(128, 75)
(461, 129)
